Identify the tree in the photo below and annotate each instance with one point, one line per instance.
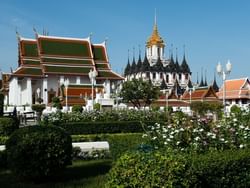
(202, 108)
(139, 93)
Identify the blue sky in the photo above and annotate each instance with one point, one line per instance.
(211, 30)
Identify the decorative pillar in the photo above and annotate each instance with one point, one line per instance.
(78, 80)
(45, 91)
(107, 87)
(29, 91)
(61, 79)
(13, 91)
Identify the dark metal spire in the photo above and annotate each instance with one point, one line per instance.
(205, 83)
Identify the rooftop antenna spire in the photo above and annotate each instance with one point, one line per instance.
(184, 50)
(155, 17)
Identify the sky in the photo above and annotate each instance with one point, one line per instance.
(212, 30)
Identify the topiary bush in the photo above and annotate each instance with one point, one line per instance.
(103, 127)
(38, 152)
(229, 168)
(119, 143)
(77, 108)
(8, 125)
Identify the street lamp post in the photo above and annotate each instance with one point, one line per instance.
(92, 75)
(223, 73)
(66, 84)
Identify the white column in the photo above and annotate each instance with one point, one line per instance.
(157, 76)
(45, 91)
(13, 91)
(78, 80)
(107, 87)
(19, 95)
(29, 91)
(61, 79)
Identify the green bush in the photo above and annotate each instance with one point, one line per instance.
(77, 108)
(97, 106)
(1, 103)
(160, 169)
(38, 152)
(102, 127)
(3, 159)
(3, 139)
(56, 103)
(118, 143)
(8, 125)
(38, 107)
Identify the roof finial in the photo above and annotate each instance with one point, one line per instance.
(172, 49)
(34, 29)
(197, 78)
(17, 34)
(106, 40)
(176, 49)
(128, 55)
(139, 46)
(133, 52)
(205, 77)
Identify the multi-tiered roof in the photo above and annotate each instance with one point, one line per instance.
(49, 55)
(172, 66)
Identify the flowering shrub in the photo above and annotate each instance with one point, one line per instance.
(123, 115)
(185, 134)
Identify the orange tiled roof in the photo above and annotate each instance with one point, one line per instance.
(235, 89)
(235, 84)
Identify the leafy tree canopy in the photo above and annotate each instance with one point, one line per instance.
(139, 93)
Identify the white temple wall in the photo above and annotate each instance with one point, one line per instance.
(53, 83)
(13, 91)
(44, 91)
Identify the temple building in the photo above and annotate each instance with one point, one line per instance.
(46, 62)
(162, 71)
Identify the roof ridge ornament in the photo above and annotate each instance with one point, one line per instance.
(17, 35)
(36, 33)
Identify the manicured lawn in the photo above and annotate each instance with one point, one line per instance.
(87, 174)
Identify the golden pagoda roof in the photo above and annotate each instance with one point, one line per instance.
(155, 38)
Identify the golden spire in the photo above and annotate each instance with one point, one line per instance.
(155, 38)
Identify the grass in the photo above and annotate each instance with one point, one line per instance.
(87, 174)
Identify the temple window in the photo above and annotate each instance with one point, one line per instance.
(154, 75)
(161, 75)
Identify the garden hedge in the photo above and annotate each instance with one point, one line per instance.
(1, 103)
(160, 169)
(103, 127)
(8, 125)
(37, 152)
(119, 143)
